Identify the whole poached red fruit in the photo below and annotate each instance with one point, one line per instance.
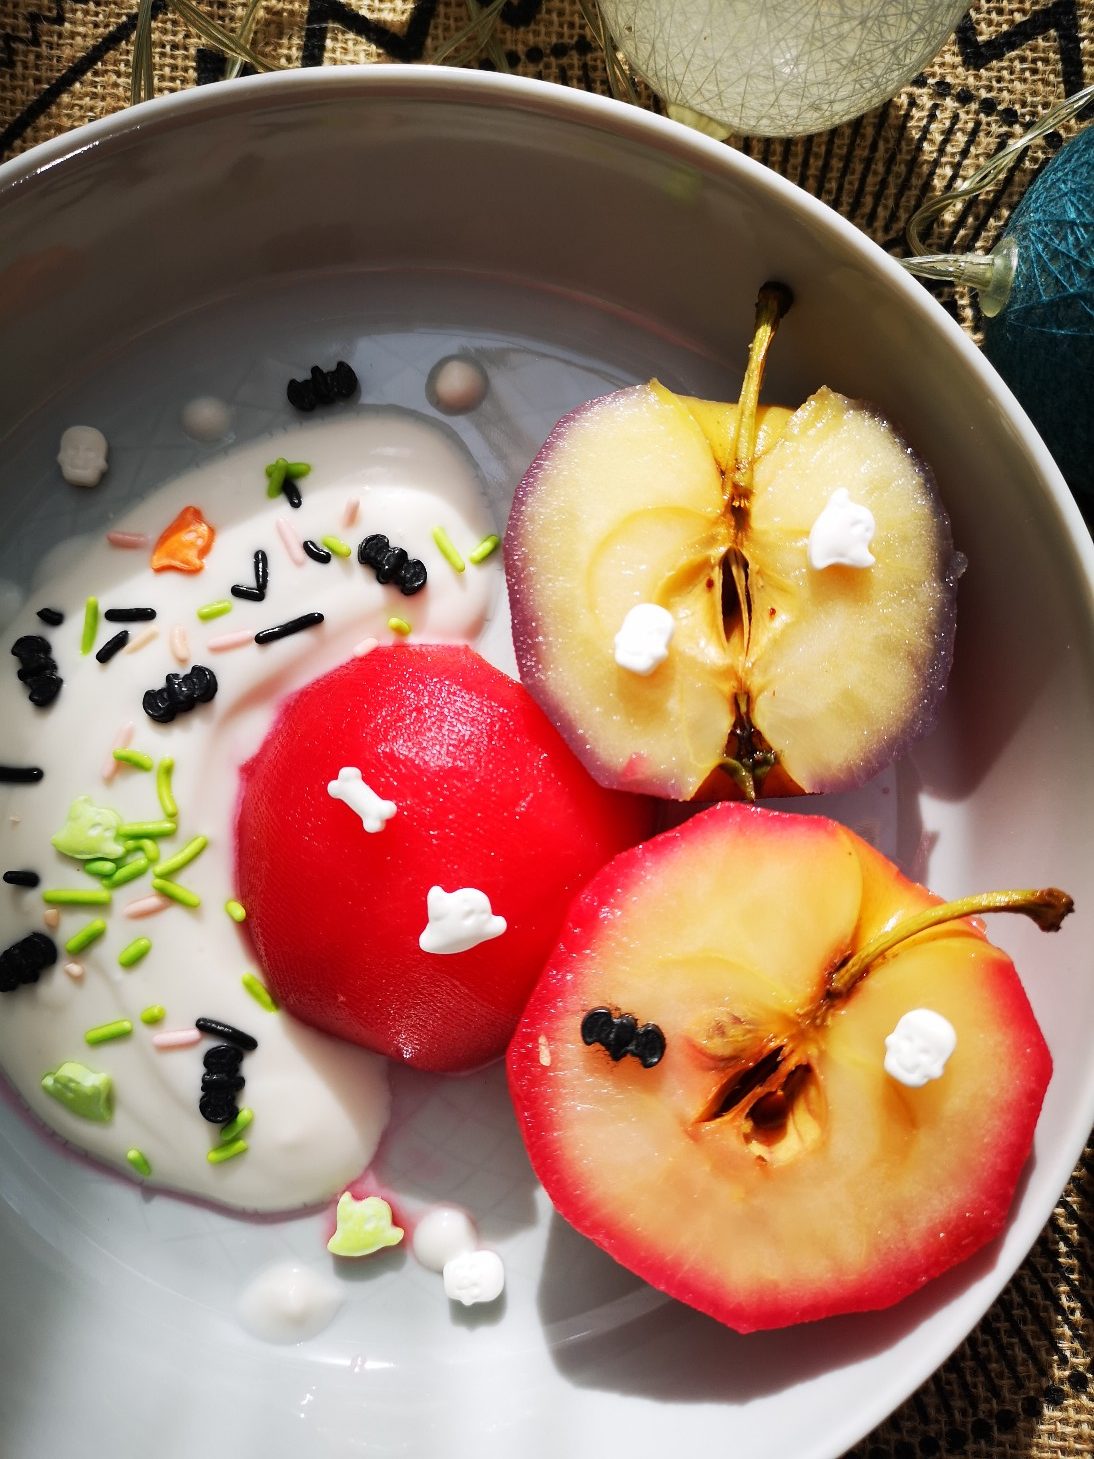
(699, 1075)
(487, 796)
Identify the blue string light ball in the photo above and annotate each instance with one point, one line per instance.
(1042, 343)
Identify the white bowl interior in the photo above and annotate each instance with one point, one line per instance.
(209, 244)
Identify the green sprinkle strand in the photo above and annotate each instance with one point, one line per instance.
(190, 852)
(151, 849)
(136, 830)
(236, 910)
(486, 548)
(98, 866)
(91, 625)
(137, 758)
(127, 873)
(275, 477)
(164, 770)
(103, 1033)
(294, 469)
(399, 625)
(183, 895)
(139, 1161)
(139, 948)
(77, 897)
(234, 1128)
(447, 549)
(259, 992)
(154, 1013)
(89, 933)
(218, 609)
(219, 1153)
(337, 546)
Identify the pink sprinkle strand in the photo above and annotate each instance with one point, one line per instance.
(51, 917)
(291, 541)
(180, 644)
(128, 539)
(75, 971)
(365, 647)
(146, 906)
(142, 640)
(349, 515)
(230, 640)
(122, 740)
(176, 1038)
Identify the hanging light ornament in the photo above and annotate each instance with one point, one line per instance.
(1037, 290)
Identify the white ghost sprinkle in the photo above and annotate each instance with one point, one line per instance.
(842, 534)
(375, 812)
(919, 1046)
(458, 920)
(82, 456)
(475, 1276)
(644, 637)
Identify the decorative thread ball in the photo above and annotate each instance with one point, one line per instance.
(1042, 343)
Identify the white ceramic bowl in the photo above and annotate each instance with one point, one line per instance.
(180, 249)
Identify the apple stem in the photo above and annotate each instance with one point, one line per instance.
(772, 302)
(1047, 907)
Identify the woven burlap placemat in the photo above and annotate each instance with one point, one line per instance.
(1019, 1387)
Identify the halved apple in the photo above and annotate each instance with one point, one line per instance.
(781, 676)
(701, 1074)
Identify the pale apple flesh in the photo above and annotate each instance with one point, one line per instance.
(768, 1170)
(832, 671)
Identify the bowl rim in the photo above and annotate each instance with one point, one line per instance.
(675, 141)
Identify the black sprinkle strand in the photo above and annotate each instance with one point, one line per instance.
(22, 878)
(620, 1034)
(218, 1030)
(291, 492)
(20, 774)
(223, 1059)
(112, 646)
(392, 564)
(322, 387)
(129, 615)
(286, 630)
(180, 693)
(25, 961)
(37, 669)
(262, 580)
(216, 1106)
(314, 551)
(53, 616)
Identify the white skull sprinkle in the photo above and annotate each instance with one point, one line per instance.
(82, 456)
(375, 812)
(475, 1276)
(643, 640)
(842, 534)
(917, 1049)
(458, 920)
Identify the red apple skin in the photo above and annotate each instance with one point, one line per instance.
(488, 796)
(676, 1187)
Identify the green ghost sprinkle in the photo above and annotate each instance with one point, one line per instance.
(81, 1090)
(90, 832)
(363, 1226)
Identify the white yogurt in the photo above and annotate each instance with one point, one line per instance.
(319, 1105)
(642, 642)
(205, 418)
(441, 1234)
(287, 1303)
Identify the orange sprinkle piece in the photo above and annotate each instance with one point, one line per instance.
(184, 545)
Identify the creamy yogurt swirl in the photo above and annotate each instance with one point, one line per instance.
(319, 1105)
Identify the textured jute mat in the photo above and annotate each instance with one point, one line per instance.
(1020, 1387)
